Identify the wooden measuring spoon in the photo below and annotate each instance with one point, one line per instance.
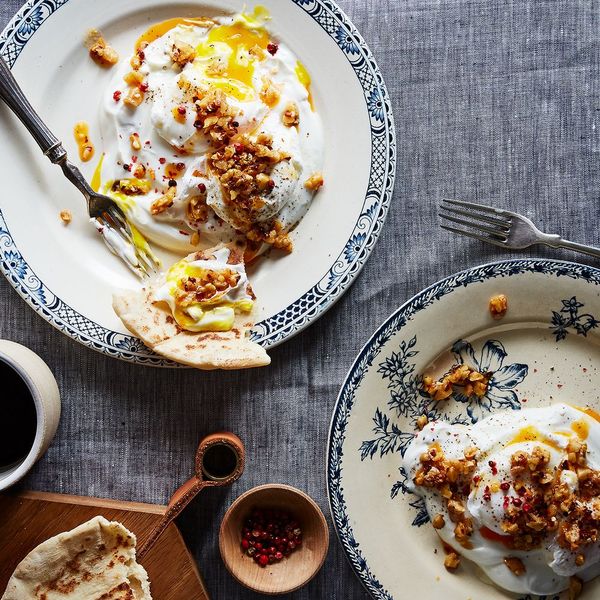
(220, 461)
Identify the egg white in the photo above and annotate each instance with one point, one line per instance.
(162, 137)
(549, 567)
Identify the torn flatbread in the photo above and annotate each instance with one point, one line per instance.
(95, 561)
(170, 313)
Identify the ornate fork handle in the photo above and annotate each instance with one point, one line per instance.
(561, 243)
(15, 99)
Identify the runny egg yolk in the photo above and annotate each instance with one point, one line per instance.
(533, 434)
(304, 78)
(238, 40)
(159, 29)
(215, 314)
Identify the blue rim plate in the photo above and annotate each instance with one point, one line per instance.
(329, 284)
(546, 349)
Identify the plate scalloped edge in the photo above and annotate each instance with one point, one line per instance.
(364, 360)
(312, 303)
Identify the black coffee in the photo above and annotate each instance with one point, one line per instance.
(220, 460)
(18, 417)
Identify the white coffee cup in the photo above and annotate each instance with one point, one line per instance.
(46, 397)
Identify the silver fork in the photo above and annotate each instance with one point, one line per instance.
(106, 214)
(502, 227)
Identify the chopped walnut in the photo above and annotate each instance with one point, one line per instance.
(100, 52)
(438, 521)
(197, 209)
(471, 381)
(270, 93)
(164, 202)
(214, 116)
(272, 234)
(498, 306)
(291, 115)
(191, 290)
(452, 561)
(515, 565)
(134, 78)
(66, 216)
(243, 168)
(422, 421)
(139, 171)
(456, 510)
(314, 182)
(134, 140)
(182, 53)
(131, 187)
(463, 531)
(134, 97)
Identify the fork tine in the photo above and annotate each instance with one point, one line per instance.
(498, 221)
(475, 225)
(481, 207)
(482, 238)
(147, 263)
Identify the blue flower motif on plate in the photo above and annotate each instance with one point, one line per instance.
(569, 316)
(408, 401)
(375, 104)
(500, 391)
(354, 246)
(15, 262)
(345, 41)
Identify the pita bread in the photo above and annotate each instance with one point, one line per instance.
(95, 561)
(153, 323)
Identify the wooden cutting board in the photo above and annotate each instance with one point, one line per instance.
(29, 518)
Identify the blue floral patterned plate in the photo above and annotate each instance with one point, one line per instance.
(66, 273)
(546, 349)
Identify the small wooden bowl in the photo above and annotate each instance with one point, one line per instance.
(292, 572)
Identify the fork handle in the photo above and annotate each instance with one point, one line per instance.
(13, 96)
(560, 243)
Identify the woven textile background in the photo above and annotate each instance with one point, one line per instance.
(495, 101)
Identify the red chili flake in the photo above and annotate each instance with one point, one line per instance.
(181, 110)
(270, 184)
(180, 166)
(186, 233)
(476, 479)
(526, 507)
(505, 486)
(162, 160)
(147, 142)
(272, 48)
(117, 95)
(493, 467)
(202, 187)
(134, 159)
(487, 497)
(141, 54)
(238, 147)
(505, 502)
(144, 87)
(516, 501)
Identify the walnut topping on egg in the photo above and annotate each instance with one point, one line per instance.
(181, 53)
(164, 202)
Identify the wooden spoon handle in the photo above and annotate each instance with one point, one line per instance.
(180, 499)
(188, 491)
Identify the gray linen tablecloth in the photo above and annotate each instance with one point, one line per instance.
(495, 101)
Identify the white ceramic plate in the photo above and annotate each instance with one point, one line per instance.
(66, 273)
(545, 350)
